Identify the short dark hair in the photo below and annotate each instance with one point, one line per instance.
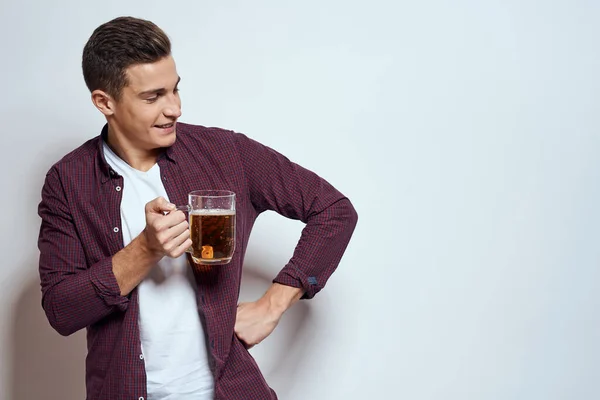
(118, 44)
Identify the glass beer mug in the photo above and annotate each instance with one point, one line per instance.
(212, 226)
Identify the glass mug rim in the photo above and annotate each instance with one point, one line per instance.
(223, 194)
(211, 193)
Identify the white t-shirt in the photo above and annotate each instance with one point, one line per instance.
(172, 336)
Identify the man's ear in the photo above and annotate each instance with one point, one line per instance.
(103, 102)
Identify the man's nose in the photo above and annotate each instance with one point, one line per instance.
(173, 109)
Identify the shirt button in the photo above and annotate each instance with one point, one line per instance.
(116, 229)
(141, 356)
(118, 188)
(141, 398)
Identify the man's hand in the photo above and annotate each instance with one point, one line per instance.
(254, 322)
(166, 234)
(257, 320)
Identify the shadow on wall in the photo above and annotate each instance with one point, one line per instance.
(45, 365)
(282, 354)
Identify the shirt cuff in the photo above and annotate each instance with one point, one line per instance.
(105, 283)
(290, 275)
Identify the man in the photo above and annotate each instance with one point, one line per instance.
(112, 244)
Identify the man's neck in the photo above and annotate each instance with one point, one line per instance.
(137, 158)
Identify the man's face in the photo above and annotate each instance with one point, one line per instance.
(145, 115)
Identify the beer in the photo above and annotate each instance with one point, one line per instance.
(213, 235)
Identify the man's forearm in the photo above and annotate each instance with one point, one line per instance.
(133, 263)
(280, 298)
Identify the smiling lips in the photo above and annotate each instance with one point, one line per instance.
(165, 126)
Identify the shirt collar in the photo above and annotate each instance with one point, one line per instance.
(108, 172)
(105, 169)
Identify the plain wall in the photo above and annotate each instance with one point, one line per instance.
(466, 133)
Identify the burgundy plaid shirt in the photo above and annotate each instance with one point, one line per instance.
(81, 231)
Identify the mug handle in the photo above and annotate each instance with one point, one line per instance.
(186, 209)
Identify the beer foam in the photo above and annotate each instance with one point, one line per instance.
(215, 211)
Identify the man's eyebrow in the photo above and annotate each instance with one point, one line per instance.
(156, 91)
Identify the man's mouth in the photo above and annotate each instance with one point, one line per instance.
(165, 126)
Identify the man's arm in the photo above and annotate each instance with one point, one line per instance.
(275, 183)
(75, 295)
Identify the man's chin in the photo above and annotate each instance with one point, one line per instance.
(168, 141)
(165, 139)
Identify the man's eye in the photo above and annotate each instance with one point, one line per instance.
(152, 99)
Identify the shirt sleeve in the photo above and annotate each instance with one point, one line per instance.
(275, 183)
(74, 294)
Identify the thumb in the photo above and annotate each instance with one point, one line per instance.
(159, 206)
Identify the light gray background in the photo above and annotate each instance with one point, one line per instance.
(465, 132)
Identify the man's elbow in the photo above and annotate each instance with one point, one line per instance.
(57, 321)
(350, 215)
(353, 216)
(63, 329)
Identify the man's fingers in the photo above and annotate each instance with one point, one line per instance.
(246, 345)
(176, 231)
(169, 237)
(178, 240)
(181, 249)
(241, 338)
(159, 206)
(169, 221)
(242, 330)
